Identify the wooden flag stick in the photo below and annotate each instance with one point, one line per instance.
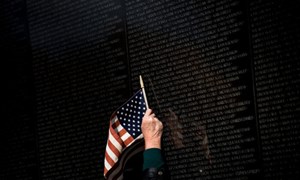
(144, 92)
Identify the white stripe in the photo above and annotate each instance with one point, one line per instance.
(109, 151)
(119, 128)
(125, 136)
(114, 120)
(107, 165)
(111, 154)
(115, 142)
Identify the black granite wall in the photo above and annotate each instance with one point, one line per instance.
(222, 75)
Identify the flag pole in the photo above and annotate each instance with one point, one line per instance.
(144, 92)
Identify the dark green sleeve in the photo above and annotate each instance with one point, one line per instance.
(152, 158)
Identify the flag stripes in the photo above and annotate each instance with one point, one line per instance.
(124, 130)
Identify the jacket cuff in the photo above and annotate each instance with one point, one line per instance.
(153, 174)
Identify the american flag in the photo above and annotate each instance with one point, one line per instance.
(124, 130)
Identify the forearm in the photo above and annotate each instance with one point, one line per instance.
(152, 158)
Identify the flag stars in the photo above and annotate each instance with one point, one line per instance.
(130, 115)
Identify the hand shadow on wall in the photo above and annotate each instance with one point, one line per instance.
(177, 131)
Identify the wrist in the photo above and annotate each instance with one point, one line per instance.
(152, 144)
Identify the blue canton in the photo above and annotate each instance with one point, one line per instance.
(131, 113)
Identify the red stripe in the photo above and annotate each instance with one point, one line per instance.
(113, 148)
(116, 123)
(109, 160)
(116, 136)
(128, 141)
(122, 132)
(105, 171)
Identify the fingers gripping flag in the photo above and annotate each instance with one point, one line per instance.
(124, 129)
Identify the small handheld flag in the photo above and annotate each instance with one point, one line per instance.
(124, 130)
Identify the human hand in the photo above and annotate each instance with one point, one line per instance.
(152, 129)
